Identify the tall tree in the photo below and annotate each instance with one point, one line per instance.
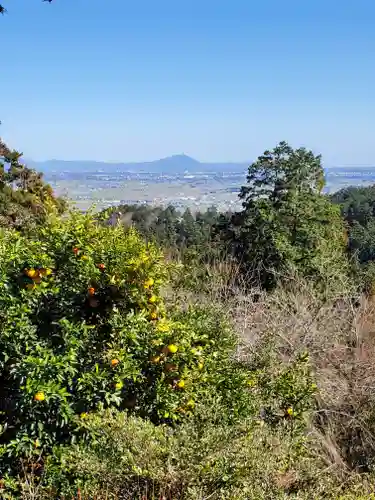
(286, 222)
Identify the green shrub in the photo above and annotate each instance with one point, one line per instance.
(83, 326)
(226, 447)
(96, 370)
(133, 459)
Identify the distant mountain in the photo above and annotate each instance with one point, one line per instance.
(177, 165)
(170, 165)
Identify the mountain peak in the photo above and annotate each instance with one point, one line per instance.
(182, 159)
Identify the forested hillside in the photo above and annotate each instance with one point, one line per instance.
(287, 225)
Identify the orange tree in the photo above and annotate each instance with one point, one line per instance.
(83, 326)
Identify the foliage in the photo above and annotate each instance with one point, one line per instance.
(326, 453)
(179, 232)
(286, 223)
(195, 240)
(111, 388)
(222, 448)
(25, 199)
(83, 326)
(357, 205)
(133, 459)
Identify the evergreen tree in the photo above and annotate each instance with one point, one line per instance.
(286, 223)
(357, 206)
(25, 199)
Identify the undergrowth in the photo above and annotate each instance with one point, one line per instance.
(278, 401)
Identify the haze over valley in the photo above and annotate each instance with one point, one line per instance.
(178, 180)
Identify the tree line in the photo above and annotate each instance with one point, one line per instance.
(287, 224)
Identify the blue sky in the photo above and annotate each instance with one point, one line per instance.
(218, 80)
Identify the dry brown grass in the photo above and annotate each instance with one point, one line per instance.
(340, 339)
(338, 332)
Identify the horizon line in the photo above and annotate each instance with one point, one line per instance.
(175, 156)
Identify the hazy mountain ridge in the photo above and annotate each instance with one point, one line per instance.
(172, 164)
(175, 164)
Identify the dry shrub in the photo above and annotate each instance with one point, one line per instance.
(339, 335)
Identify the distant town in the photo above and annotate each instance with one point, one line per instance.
(178, 180)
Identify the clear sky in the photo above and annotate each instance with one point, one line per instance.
(218, 80)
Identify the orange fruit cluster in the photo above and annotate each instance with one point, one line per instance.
(36, 275)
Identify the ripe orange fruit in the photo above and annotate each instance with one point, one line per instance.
(172, 348)
(31, 273)
(101, 267)
(75, 250)
(91, 291)
(149, 283)
(39, 396)
(115, 362)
